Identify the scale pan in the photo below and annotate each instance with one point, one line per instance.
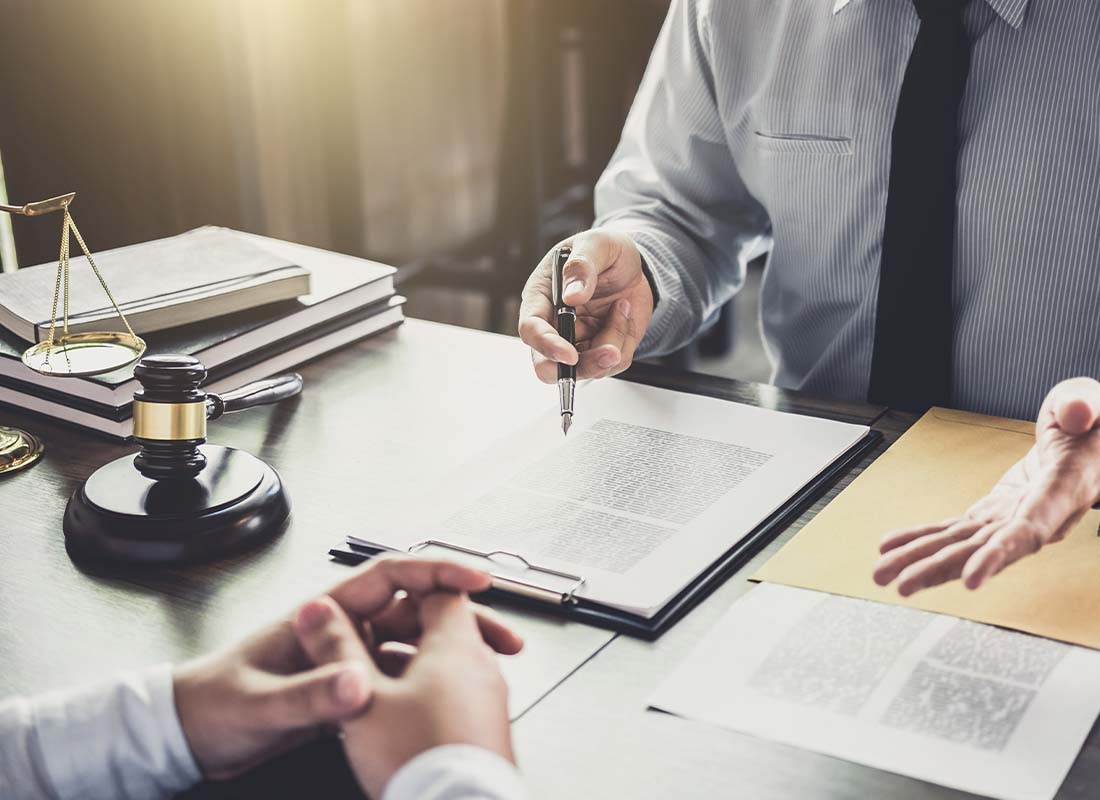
(82, 354)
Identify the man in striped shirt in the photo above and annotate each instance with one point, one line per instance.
(925, 175)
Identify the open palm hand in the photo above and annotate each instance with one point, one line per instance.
(1035, 503)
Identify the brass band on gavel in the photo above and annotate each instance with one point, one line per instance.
(170, 421)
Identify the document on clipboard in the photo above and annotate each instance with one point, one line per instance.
(649, 489)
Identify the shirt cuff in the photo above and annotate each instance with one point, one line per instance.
(120, 740)
(454, 772)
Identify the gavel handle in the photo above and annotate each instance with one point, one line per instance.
(259, 393)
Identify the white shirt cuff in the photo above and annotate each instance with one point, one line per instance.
(117, 740)
(456, 772)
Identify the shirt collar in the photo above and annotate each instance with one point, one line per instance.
(1011, 11)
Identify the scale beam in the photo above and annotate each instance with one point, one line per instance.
(40, 207)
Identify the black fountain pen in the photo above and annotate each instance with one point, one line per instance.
(567, 329)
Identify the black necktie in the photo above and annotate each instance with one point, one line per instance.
(911, 364)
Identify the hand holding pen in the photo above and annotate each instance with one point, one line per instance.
(566, 318)
(603, 280)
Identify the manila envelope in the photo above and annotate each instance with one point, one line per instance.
(936, 470)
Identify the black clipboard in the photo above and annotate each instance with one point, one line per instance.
(563, 602)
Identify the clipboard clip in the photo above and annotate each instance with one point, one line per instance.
(513, 585)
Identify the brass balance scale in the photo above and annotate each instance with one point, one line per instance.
(66, 354)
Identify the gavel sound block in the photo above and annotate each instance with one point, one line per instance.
(180, 499)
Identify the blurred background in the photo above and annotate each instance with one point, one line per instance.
(455, 139)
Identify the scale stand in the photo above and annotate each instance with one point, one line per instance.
(66, 354)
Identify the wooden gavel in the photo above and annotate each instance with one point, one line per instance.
(171, 411)
(180, 499)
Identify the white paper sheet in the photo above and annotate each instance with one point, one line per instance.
(649, 488)
(945, 700)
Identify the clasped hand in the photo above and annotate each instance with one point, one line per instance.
(396, 656)
(1037, 502)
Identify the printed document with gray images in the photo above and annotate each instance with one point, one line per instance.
(648, 490)
(945, 700)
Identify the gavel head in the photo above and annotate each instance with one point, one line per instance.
(170, 417)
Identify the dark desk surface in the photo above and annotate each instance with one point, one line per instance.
(376, 423)
(375, 426)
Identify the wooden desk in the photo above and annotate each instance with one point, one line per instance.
(376, 423)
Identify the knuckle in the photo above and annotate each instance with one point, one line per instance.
(588, 238)
(624, 365)
(304, 702)
(275, 706)
(528, 328)
(1034, 537)
(383, 564)
(257, 702)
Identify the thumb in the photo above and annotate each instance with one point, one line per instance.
(593, 252)
(326, 694)
(1075, 404)
(327, 634)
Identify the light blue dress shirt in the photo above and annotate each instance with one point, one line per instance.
(766, 124)
(122, 740)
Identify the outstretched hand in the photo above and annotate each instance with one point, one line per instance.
(1037, 502)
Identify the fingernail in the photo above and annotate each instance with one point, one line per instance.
(350, 686)
(574, 285)
(607, 360)
(624, 308)
(313, 616)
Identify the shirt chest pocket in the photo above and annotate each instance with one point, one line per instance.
(791, 172)
(801, 144)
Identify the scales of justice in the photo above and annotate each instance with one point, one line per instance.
(179, 499)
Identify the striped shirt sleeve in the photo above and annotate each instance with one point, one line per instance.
(673, 187)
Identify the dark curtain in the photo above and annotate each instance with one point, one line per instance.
(144, 110)
(373, 127)
(123, 102)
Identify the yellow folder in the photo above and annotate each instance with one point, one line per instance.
(936, 470)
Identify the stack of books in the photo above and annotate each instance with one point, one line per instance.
(245, 306)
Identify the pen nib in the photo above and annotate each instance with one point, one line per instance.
(566, 421)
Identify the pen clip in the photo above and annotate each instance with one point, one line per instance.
(559, 258)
